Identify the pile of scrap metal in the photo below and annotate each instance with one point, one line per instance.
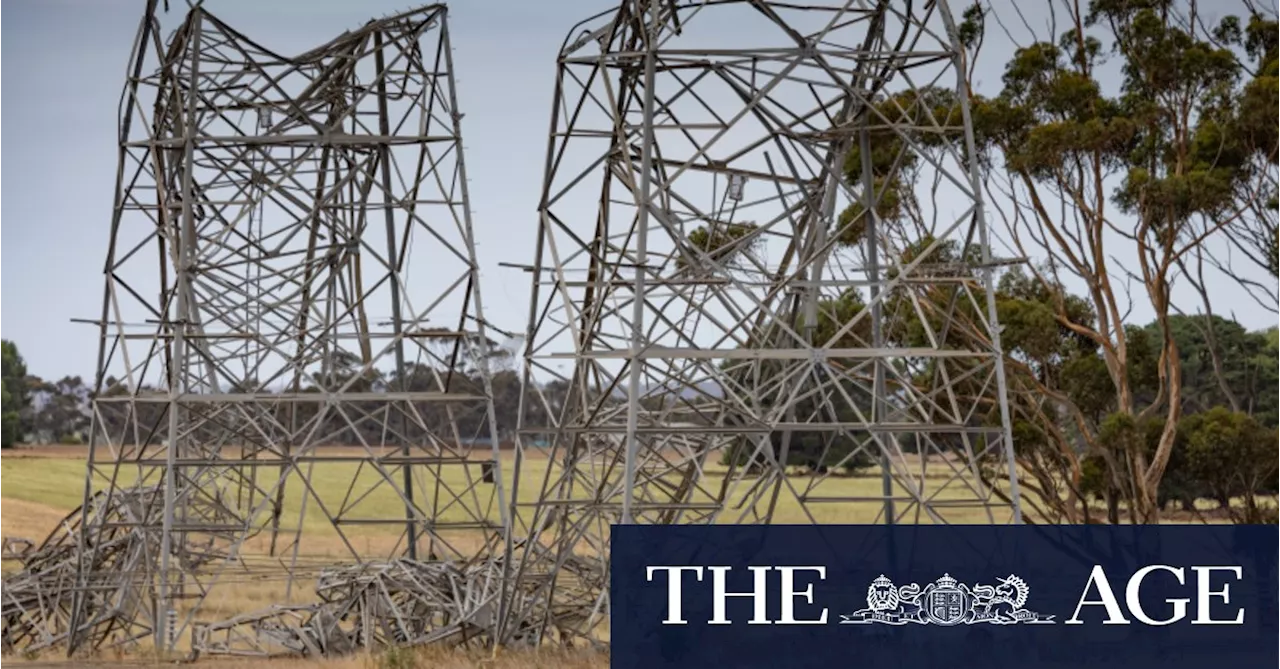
(91, 584)
(89, 578)
(399, 602)
(14, 548)
(406, 602)
(551, 605)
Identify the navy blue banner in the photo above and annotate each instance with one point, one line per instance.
(944, 597)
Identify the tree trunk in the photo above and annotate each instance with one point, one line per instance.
(1252, 513)
(1170, 374)
(1113, 505)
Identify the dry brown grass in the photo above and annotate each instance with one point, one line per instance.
(449, 659)
(31, 520)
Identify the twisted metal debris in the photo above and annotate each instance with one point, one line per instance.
(398, 603)
(263, 366)
(376, 604)
(14, 548)
(742, 293)
(107, 583)
(785, 265)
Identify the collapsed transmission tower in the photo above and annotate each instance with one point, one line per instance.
(268, 378)
(761, 252)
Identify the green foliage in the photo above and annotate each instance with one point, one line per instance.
(1049, 114)
(1087, 382)
(834, 314)
(1142, 368)
(15, 395)
(1030, 327)
(1094, 477)
(1183, 133)
(1232, 455)
(1248, 362)
(722, 241)
(1103, 473)
(972, 25)
(851, 225)
(1217, 454)
(1028, 437)
(892, 159)
(1124, 437)
(1120, 433)
(1272, 251)
(63, 414)
(814, 450)
(1033, 330)
(1257, 121)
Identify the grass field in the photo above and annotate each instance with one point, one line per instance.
(53, 477)
(41, 485)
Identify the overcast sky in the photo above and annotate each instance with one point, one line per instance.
(63, 70)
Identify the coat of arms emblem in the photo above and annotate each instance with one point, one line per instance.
(946, 602)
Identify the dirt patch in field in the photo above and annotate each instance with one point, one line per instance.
(20, 518)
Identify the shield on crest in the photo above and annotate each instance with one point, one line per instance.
(946, 606)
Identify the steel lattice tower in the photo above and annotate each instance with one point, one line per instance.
(265, 365)
(761, 245)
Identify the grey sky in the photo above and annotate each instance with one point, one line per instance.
(63, 69)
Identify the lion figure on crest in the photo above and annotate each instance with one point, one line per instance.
(882, 595)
